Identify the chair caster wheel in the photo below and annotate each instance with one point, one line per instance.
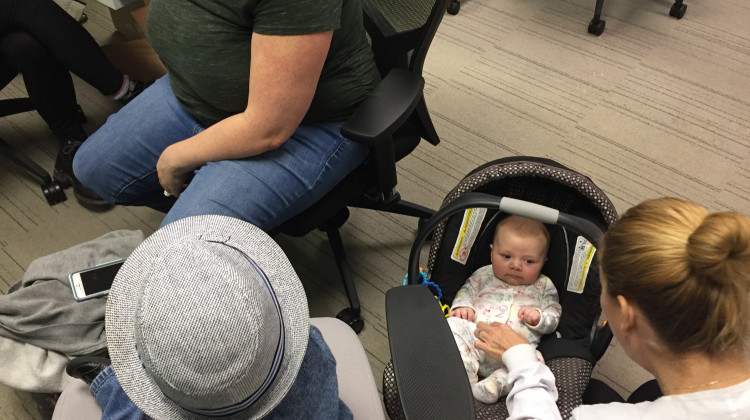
(678, 10)
(53, 193)
(596, 27)
(352, 319)
(453, 7)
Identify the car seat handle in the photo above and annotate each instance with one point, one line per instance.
(509, 205)
(529, 210)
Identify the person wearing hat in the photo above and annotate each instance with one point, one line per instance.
(208, 319)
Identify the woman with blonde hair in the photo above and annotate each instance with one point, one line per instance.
(676, 292)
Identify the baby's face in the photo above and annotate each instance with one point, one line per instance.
(517, 260)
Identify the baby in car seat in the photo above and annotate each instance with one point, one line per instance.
(510, 290)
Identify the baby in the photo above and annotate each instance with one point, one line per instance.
(510, 290)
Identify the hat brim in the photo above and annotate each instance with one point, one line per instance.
(123, 301)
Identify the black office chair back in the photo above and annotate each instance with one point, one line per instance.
(400, 33)
(391, 121)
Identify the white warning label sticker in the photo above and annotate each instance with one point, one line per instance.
(468, 234)
(582, 258)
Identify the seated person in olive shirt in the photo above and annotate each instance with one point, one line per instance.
(247, 121)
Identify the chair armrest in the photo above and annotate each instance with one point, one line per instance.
(386, 108)
(429, 372)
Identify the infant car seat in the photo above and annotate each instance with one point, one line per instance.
(574, 209)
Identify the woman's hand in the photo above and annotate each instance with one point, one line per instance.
(463, 312)
(494, 339)
(172, 171)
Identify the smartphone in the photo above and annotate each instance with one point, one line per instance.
(94, 281)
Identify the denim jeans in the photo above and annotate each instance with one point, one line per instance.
(119, 160)
(314, 394)
(112, 399)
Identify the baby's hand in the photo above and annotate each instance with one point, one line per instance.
(463, 312)
(529, 315)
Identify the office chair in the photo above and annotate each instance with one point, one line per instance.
(51, 189)
(356, 383)
(391, 121)
(596, 26)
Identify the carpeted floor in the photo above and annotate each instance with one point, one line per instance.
(654, 106)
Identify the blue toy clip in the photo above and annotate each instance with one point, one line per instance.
(444, 307)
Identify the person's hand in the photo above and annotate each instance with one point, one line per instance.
(529, 315)
(172, 173)
(463, 312)
(494, 339)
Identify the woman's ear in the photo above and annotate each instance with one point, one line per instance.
(628, 314)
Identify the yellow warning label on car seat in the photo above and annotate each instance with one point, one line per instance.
(582, 258)
(470, 226)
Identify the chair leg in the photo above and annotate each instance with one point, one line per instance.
(351, 315)
(596, 26)
(408, 208)
(429, 128)
(52, 190)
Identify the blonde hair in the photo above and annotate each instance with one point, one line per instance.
(688, 270)
(525, 228)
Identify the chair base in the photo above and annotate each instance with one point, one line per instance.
(596, 26)
(51, 189)
(352, 315)
(53, 193)
(678, 9)
(351, 318)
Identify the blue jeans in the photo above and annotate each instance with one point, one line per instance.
(118, 162)
(112, 399)
(314, 394)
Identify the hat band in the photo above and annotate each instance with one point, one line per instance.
(242, 405)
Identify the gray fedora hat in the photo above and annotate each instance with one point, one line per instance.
(207, 318)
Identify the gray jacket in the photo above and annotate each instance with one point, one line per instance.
(40, 309)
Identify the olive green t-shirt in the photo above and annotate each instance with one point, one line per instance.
(205, 45)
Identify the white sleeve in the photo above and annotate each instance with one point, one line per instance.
(550, 312)
(533, 394)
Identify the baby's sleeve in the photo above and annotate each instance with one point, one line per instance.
(550, 308)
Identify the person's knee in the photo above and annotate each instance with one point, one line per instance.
(23, 52)
(88, 169)
(81, 167)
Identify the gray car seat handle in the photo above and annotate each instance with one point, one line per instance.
(505, 204)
